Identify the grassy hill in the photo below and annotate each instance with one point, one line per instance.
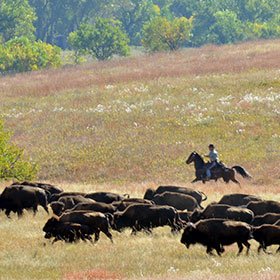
(137, 119)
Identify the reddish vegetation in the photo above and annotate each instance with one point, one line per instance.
(161, 65)
(91, 274)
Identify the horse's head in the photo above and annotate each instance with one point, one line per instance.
(191, 157)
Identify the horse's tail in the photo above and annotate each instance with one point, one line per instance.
(240, 170)
(203, 194)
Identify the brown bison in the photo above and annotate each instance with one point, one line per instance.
(177, 200)
(57, 196)
(199, 196)
(123, 204)
(106, 197)
(223, 211)
(57, 207)
(264, 207)
(69, 232)
(267, 235)
(94, 220)
(16, 198)
(238, 199)
(269, 218)
(95, 206)
(67, 202)
(145, 217)
(47, 187)
(216, 233)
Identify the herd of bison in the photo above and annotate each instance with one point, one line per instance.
(236, 218)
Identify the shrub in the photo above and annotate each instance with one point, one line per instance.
(161, 34)
(21, 54)
(102, 41)
(12, 162)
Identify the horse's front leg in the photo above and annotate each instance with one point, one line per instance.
(195, 180)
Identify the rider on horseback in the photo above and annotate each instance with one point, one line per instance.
(213, 158)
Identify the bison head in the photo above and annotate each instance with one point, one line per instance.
(118, 224)
(50, 224)
(195, 216)
(57, 207)
(149, 194)
(188, 236)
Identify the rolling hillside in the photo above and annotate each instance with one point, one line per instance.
(137, 119)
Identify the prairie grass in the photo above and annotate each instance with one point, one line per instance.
(25, 254)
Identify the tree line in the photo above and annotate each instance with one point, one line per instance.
(108, 27)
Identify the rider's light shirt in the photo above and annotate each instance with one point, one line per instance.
(213, 155)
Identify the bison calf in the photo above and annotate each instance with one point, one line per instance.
(267, 235)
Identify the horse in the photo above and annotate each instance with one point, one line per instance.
(220, 171)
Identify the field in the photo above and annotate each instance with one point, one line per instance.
(126, 125)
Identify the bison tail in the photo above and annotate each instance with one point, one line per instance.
(126, 195)
(205, 196)
(240, 170)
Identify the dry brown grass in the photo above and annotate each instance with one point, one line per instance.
(205, 60)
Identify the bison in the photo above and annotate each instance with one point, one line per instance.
(215, 233)
(47, 187)
(144, 216)
(267, 235)
(57, 196)
(95, 206)
(123, 204)
(238, 199)
(106, 197)
(16, 198)
(199, 196)
(223, 211)
(94, 220)
(67, 202)
(69, 232)
(269, 218)
(264, 207)
(177, 200)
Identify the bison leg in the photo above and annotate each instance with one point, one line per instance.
(55, 240)
(247, 244)
(209, 251)
(19, 213)
(259, 248)
(109, 235)
(240, 246)
(35, 209)
(46, 209)
(219, 249)
(96, 236)
(8, 212)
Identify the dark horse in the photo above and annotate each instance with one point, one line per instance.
(220, 171)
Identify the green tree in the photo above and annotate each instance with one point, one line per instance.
(161, 34)
(21, 54)
(102, 41)
(12, 161)
(16, 19)
(134, 14)
(56, 19)
(227, 28)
